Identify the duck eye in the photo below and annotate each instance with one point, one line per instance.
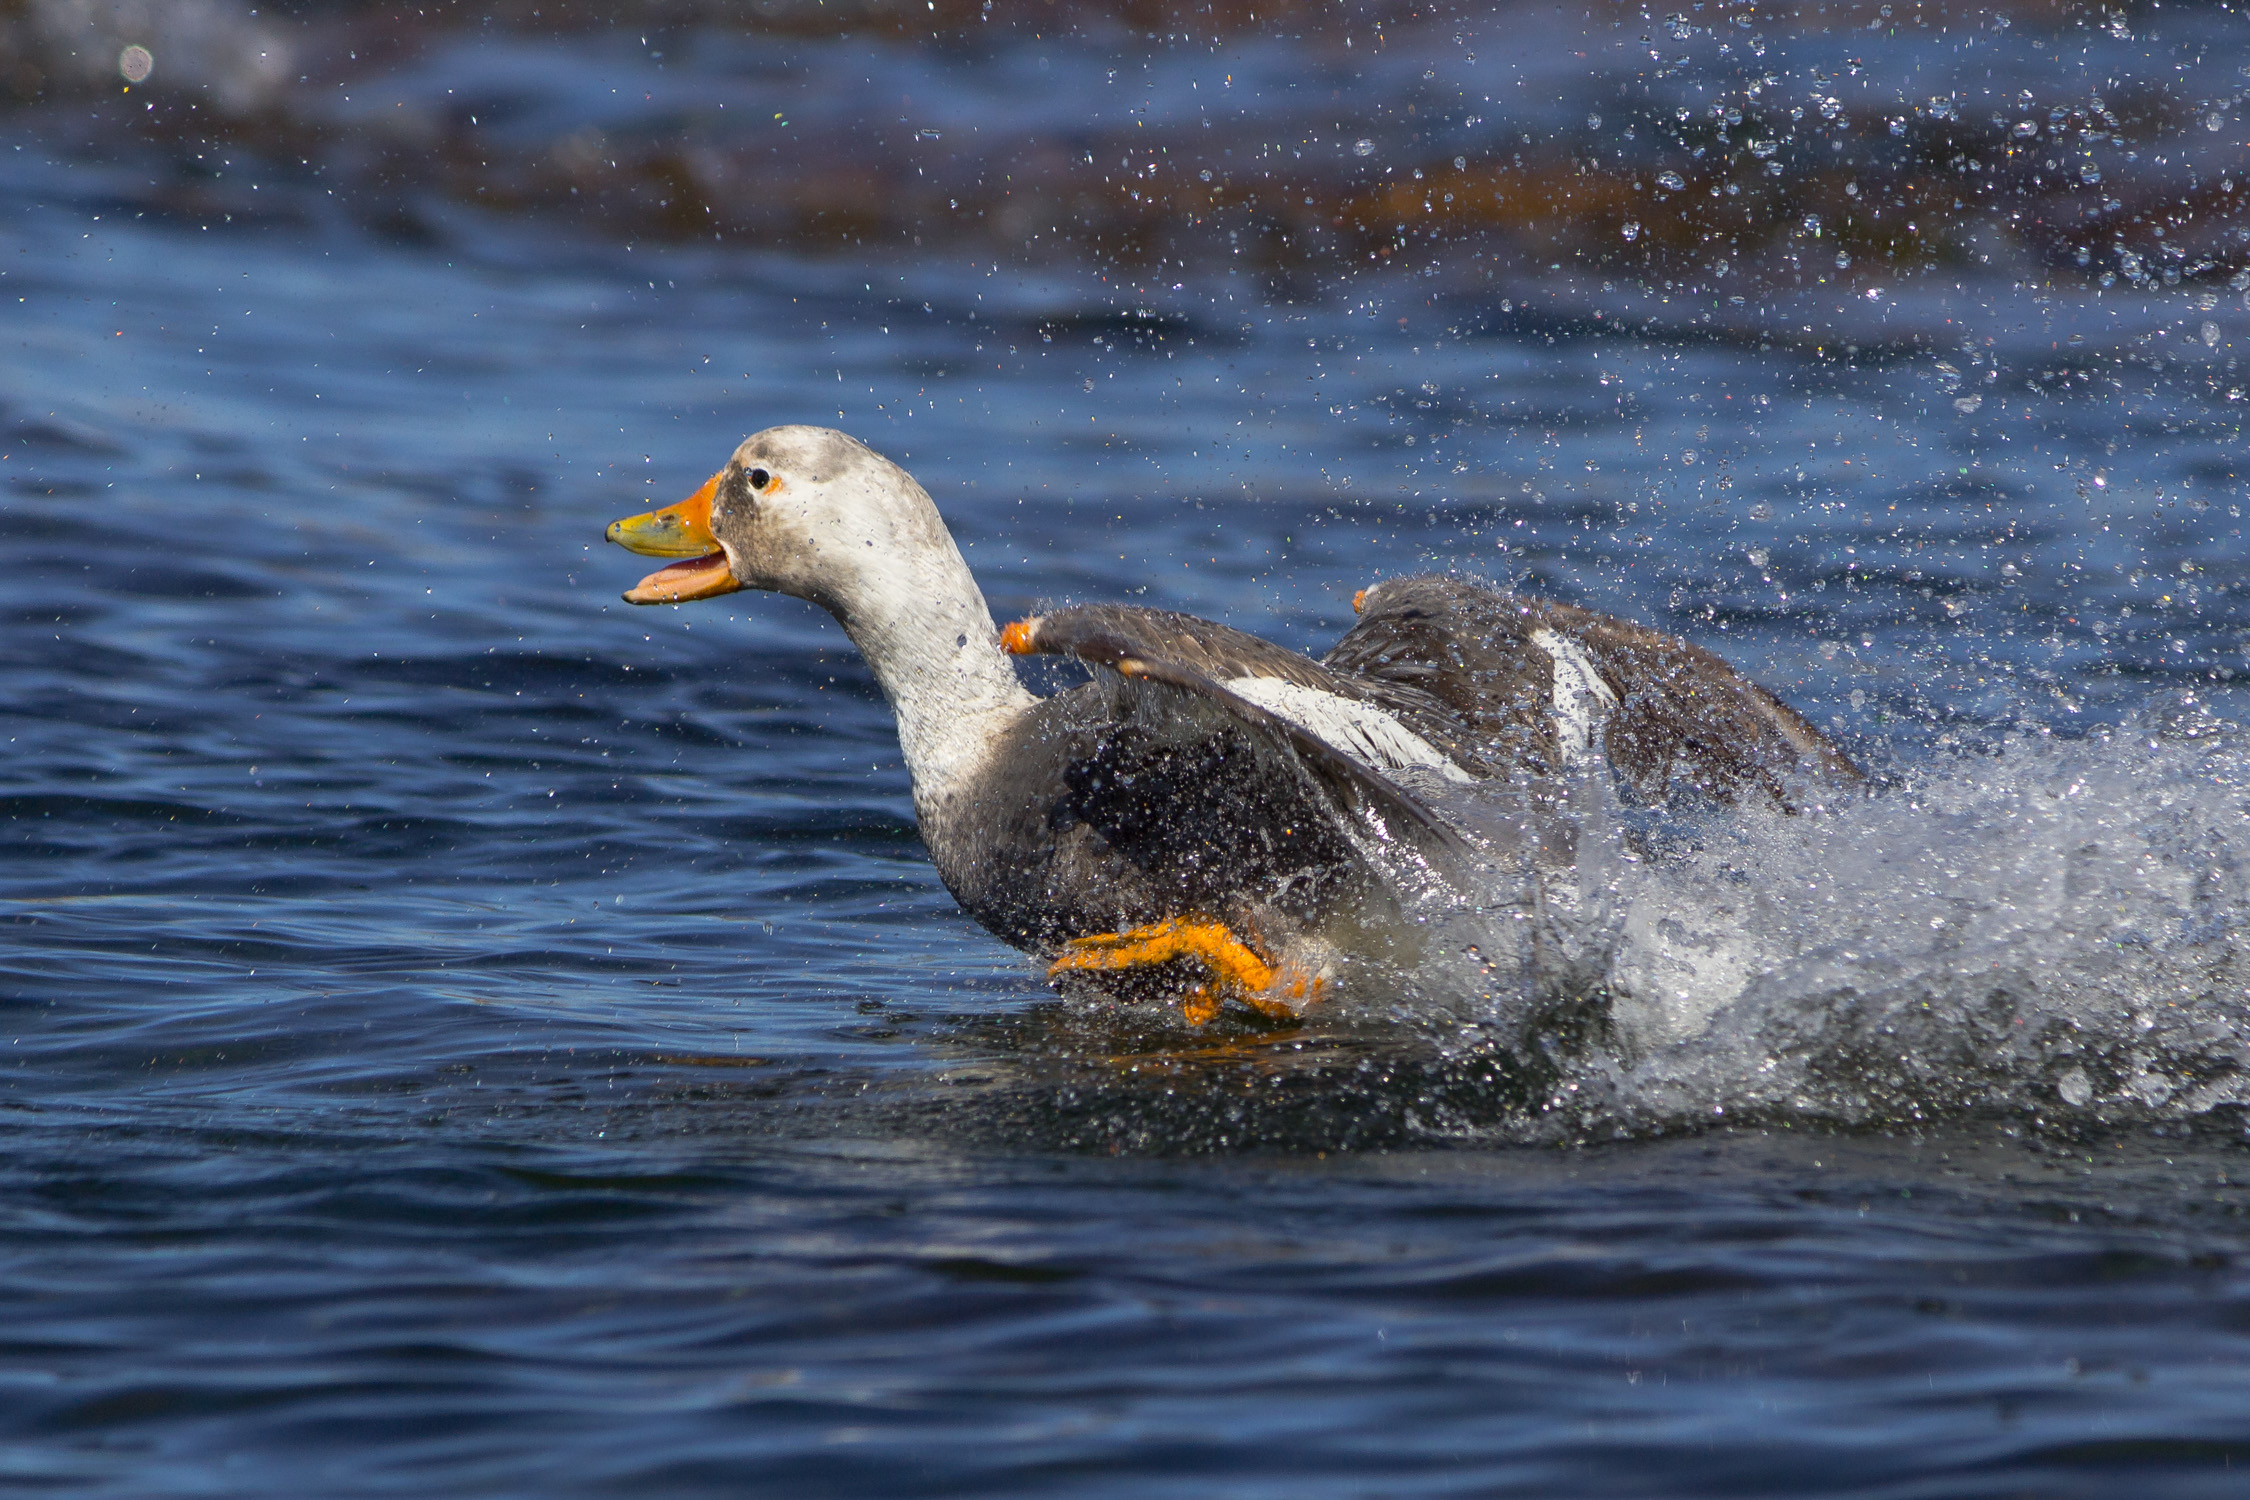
(759, 478)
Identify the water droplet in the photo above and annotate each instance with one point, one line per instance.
(1670, 181)
(1593, 122)
(1633, 230)
(1363, 147)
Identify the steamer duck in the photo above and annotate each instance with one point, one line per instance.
(1213, 818)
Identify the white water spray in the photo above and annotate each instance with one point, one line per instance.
(2055, 929)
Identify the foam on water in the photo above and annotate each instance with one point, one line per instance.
(2050, 928)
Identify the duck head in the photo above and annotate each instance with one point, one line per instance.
(805, 511)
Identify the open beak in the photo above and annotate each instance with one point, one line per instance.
(682, 531)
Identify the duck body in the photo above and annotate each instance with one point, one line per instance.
(1085, 820)
(1212, 817)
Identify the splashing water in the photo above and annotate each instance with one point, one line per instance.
(2047, 928)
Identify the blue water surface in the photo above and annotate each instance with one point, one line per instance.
(464, 1034)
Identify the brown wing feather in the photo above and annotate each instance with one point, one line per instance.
(1195, 656)
(1682, 713)
(1108, 633)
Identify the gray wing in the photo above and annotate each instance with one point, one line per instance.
(1177, 669)
(1532, 683)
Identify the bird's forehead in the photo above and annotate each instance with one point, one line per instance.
(805, 453)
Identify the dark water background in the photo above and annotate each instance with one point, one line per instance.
(466, 1035)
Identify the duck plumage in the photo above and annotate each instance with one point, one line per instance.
(1213, 814)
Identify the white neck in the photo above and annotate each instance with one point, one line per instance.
(930, 639)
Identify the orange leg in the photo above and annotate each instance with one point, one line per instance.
(1236, 972)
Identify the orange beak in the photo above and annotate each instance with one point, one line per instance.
(684, 531)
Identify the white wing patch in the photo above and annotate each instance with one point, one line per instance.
(1361, 730)
(1581, 697)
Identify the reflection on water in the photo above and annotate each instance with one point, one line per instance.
(462, 1031)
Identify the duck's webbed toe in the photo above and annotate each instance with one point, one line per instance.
(1216, 964)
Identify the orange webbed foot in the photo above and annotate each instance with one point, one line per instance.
(1236, 971)
(1200, 1005)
